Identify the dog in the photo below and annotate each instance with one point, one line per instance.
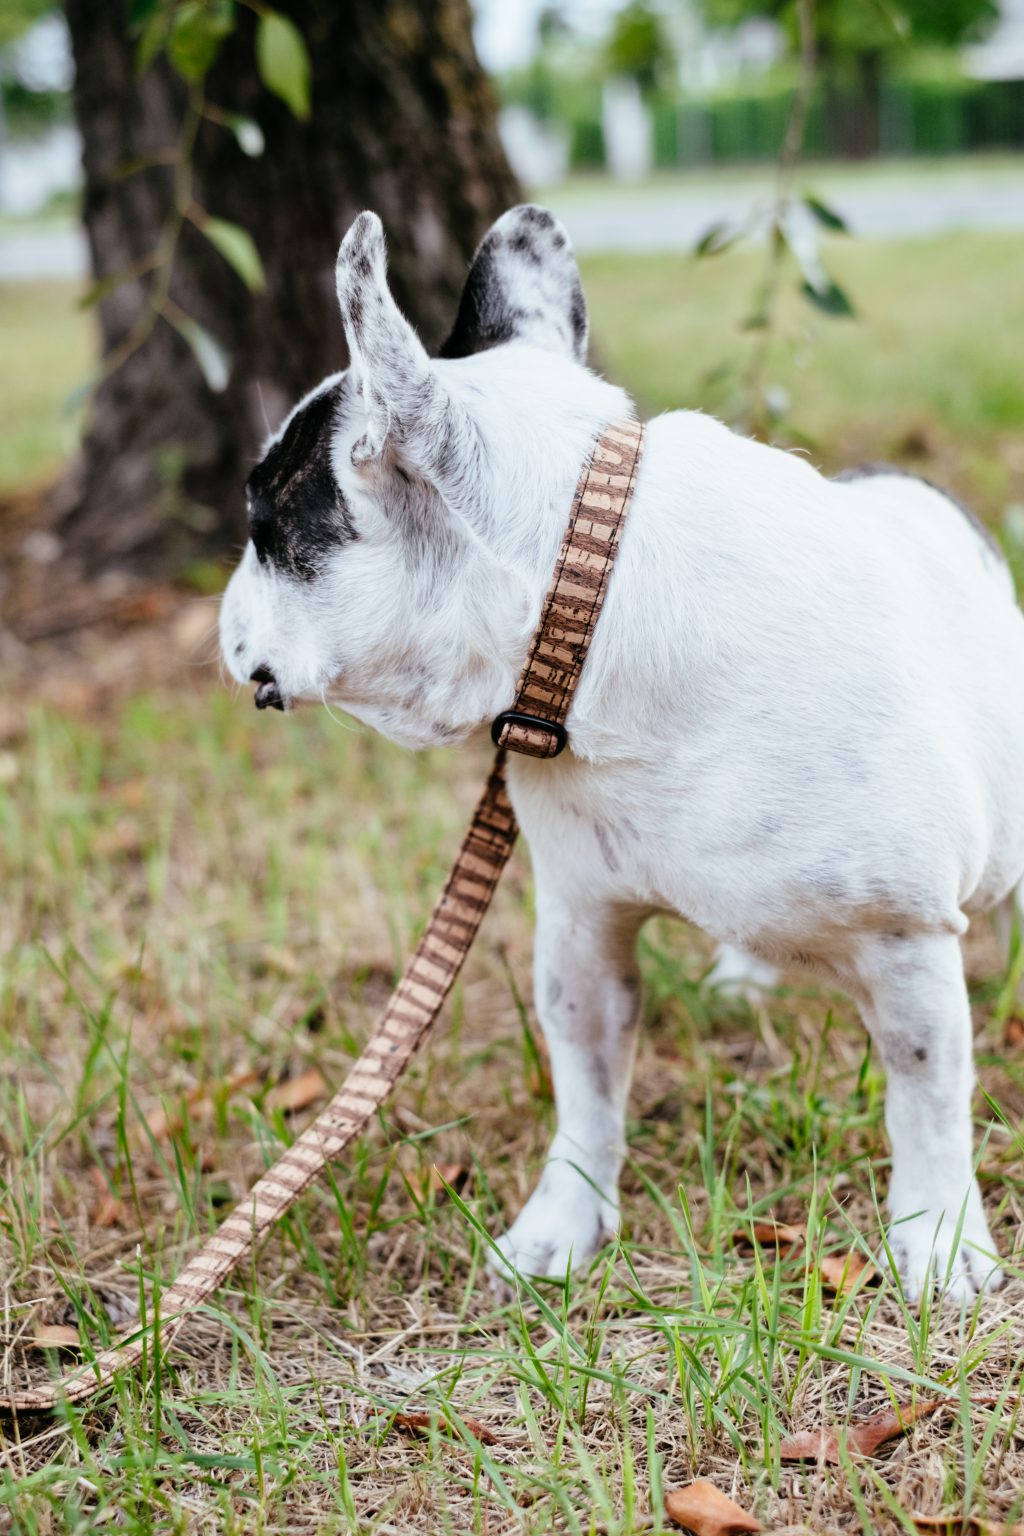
(800, 724)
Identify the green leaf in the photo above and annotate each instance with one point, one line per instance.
(197, 32)
(99, 290)
(825, 215)
(830, 298)
(249, 135)
(283, 61)
(207, 350)
(154, 35)
(141, 12)
(237, 246)
(716, 239)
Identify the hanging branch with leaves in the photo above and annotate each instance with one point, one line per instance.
(190, 35)
(789, 228)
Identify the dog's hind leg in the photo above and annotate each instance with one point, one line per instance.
(587, 993)
(916, 1008)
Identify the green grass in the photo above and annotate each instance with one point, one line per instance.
(49, 347)
(190, 892)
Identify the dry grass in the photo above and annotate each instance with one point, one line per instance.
(190, 891)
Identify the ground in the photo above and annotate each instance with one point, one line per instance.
(200, 905)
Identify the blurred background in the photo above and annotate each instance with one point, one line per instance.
(805, 215)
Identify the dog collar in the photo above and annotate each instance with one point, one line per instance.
(535, 725)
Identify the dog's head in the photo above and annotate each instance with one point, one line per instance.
(386, 572)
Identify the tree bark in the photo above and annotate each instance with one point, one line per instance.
(403, 122)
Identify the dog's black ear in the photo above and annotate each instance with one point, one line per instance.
(524, 285)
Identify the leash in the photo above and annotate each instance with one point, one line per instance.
(535, 725)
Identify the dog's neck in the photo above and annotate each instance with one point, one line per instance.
(458, 664)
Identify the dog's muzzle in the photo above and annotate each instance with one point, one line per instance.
(268, 694)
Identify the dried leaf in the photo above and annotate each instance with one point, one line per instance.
(162, 1123)
(969, 1525)
(297, 1093)
(770, 1232)
(701, 1507)
(845, 1272)
(422, 1423)
(1013, 1032)
(56, 1336)
(864, 1438)
(841, 1272)
(108, 1211)
(861, 1439)
(454, 1175)
(818, 1445)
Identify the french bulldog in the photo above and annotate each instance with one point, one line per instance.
(800, 724)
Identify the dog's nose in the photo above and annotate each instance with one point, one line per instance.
(268, 694)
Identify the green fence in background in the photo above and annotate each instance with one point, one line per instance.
(915, 117)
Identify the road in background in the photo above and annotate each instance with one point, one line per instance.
(882, 201)
(885, 200)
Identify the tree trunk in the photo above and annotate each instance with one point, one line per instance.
(403, 122)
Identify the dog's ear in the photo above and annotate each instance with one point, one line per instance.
(408, 412)
(524, 285)
(387, 357)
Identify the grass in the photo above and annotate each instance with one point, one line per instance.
(199, 904)
(189, 895)
(50, 345)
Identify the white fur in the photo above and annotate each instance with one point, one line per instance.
(800, 726)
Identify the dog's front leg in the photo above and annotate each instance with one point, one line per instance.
(587, 993)
(916, 1008)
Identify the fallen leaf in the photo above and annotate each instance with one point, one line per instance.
(845, 1272)
(56, 1336)
(768, 1232)
(861, 1439)
(702, 1508)
(865, 1438)
(841, 1272)
(972, 1525)
(454, 1175)
(297, 1092)
(422, 1423)
(108, 1210)
(200, 1104)
(817, 1445)
(1013, 1032)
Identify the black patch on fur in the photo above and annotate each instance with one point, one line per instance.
(486, 317)
(298, 515)
(868, 471)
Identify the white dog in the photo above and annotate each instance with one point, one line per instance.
(800, 724)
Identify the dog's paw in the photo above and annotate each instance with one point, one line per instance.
(928, 1259)
(560, 1228)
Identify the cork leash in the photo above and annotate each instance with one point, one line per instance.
(536, 726)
